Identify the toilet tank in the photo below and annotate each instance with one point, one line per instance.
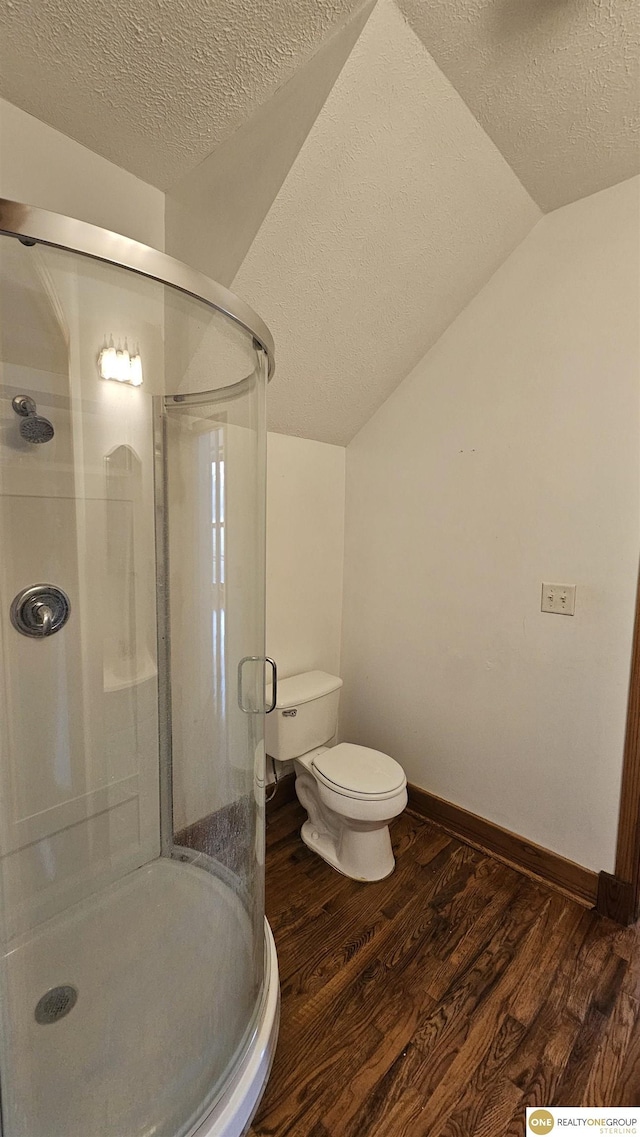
(305, 716)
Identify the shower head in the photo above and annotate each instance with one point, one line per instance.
(35, 428)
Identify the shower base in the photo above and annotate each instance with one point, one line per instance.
(156, 1041)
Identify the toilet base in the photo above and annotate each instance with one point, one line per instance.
(369, 860)
(350, 834)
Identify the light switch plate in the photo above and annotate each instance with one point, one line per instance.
(559, 598)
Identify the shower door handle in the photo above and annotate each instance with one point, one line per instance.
(274, 685)
(274, 693)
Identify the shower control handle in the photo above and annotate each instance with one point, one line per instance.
(44, 617)
(40, 610)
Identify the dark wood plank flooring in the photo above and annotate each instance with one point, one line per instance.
(442, 1001)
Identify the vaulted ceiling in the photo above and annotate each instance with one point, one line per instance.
(356, 171)
(555, 83)
(396, 211)
(157, 85)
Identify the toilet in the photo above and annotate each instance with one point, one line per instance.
(350, 793)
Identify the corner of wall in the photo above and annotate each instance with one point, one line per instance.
(44, 168)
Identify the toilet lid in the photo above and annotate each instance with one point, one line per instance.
(359, 770)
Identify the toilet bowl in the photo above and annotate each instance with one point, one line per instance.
(350, 793)
(348, 825)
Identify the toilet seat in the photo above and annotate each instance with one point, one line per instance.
(358, 772)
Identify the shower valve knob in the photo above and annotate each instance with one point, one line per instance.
(40, 611)
(44, 617)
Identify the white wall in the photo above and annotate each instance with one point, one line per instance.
(508, 457)
(42, 167)
(305, 546)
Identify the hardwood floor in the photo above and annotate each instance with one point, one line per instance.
(443, 1000)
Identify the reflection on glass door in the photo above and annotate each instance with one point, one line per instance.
(216, 442)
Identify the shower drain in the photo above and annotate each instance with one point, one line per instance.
(55, 1004)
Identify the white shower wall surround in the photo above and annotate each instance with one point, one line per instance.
(132, 837)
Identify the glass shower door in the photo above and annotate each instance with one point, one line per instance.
(214, 458)
(131, 780)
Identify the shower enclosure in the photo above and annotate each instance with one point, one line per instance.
(139, 990)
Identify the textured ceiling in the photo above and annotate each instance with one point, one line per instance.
(155, 85)
(213, 214)
(555, 83)
(371, 184)
(396, 211)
